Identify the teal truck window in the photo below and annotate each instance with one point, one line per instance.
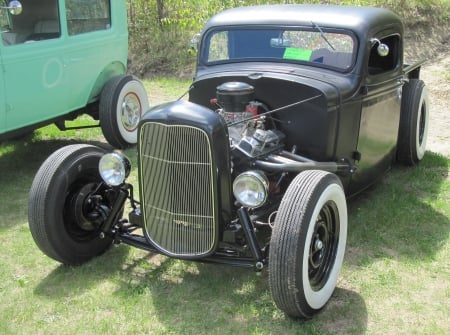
(4, 21)
(39, 21)
(5, 26)
(86, 16)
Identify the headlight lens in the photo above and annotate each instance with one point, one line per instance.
(251, 188)
(114, 168)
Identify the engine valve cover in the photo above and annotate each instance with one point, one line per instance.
(261, 142)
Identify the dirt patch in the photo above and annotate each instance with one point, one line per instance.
(428, 41)
(436, 74)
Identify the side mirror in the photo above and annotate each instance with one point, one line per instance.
(14, 7)
(382, 49)
(193, 43)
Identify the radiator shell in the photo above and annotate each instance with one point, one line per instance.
(184, 179)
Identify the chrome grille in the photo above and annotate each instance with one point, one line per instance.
(176, 176)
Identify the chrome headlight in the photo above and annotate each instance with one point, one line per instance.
(114, 168)
(251, 188)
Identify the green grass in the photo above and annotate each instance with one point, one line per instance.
(395, 279)
(447, 75)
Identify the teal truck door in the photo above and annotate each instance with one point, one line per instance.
(4, 26)
(2, 99)
(92, 26)
(33, 67)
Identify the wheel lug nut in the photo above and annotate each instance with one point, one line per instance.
(318, 245)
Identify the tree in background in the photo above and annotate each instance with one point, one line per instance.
(160, 30)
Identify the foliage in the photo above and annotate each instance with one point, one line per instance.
(83, 9)
(160, 30)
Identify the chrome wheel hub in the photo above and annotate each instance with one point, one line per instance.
(130, 112)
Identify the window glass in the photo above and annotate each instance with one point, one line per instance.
(314, 46)
(379, 64)
(4, 22)
(219, 47)
(85, 16)
(39, 21)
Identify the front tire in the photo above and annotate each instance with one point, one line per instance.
(122, 103)
(57, 208)
(414, 119)
(308, 243)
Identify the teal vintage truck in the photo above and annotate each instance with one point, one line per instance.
(63, 58)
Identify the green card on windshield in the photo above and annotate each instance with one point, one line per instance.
(297, 54)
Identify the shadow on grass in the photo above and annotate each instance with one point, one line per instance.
(402, 216)
(68, 281)
(197, 298)
(24, 156)
(19, 162)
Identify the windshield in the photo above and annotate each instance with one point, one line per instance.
(314, 45)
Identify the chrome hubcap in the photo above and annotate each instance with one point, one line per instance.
(130, 112)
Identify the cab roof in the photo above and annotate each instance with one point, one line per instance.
(361, 20)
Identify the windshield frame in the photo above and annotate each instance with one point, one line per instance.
(297, 59)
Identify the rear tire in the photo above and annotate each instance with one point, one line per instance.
(414, 119)
(308, 243)
(56, 212)
(122, 103)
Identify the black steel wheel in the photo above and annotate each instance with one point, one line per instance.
(61, 218)
(122, 103)
(308, 243)
(414, 119)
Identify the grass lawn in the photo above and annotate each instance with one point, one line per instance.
(395, 278)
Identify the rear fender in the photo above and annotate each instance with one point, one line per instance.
(412, 71)
(111, 70)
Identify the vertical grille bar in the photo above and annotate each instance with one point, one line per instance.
(177, 189)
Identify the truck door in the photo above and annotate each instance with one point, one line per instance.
(380, 114)
(96, 46)
(33, 68)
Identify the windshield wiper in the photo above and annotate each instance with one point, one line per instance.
(323, 35)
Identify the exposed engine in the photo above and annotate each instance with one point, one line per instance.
(247, 126)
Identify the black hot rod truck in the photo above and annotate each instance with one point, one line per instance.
(292, 109)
